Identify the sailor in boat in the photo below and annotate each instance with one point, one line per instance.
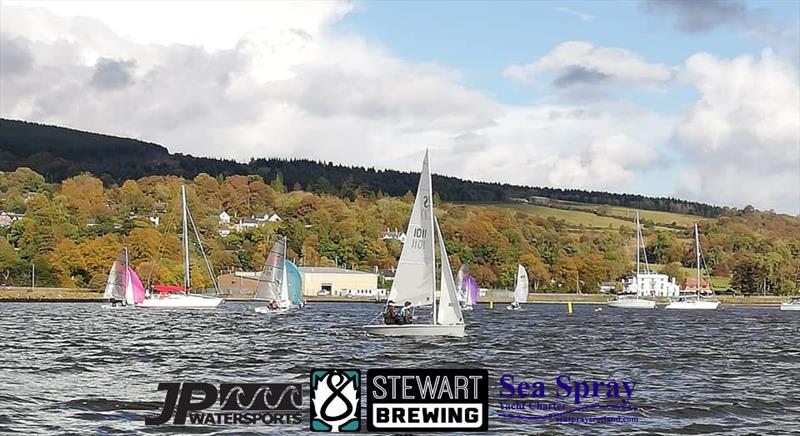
(273, 305)
(514, 305)
(407, 313)
(390, 313)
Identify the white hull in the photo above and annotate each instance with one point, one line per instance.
(510, 307)
(790, 306)
(264, 309)
(633, 303)
(466, 308)
(118, 306)
(415, 330)
(693, 305)
(181, 301)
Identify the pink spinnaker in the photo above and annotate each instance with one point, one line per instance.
(137, 287)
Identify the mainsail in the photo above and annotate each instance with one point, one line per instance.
(117, 279)
(449, 309)
(273, 274)
(414, 279)
(294, 283)
(521, 291)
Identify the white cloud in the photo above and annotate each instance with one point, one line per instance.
(583, 16)
(742, 137)
(294, 87)
(579, 62)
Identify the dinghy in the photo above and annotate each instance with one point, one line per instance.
(467, 289)
(415, 278)
(520, 290)
(181, 298)
(274, 282)
(123, 287)
(694, 300)
(632, 300)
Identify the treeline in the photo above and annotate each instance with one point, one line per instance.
(72, 232)
(59, 153)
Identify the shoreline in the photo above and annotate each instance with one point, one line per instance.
(63, 295)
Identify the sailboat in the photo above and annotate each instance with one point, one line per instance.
(694, 300)
(520, 290)
(123, 287)
(415, 278)
(274, 282)
(182, 299)
(632, 300)
(467, 288)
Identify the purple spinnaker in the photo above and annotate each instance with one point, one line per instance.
(472, 288)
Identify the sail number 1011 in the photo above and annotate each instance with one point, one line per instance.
(417, 240)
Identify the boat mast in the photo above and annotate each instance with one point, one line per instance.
(125, 286)
(433, 264)
(697, 253)
(638, 248)
(187, 281)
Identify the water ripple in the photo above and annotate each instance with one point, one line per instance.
(78, 369)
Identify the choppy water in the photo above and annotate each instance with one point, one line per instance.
(76, 368)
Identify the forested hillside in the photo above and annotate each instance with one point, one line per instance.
(59, 153)
(72, 231)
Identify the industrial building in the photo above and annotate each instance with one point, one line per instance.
(316, 281)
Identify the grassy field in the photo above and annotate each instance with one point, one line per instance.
(581, 214)
(718, 283)
(663, 218)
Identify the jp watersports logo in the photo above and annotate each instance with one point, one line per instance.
(427, 399)
(336, 400)
(567, 400)
(238, 403)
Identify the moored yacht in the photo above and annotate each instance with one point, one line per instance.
(694, 300)
(631, 298)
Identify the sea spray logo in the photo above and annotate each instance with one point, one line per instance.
(336, 400)
(566, 400)
(239, 403)
(402, 400)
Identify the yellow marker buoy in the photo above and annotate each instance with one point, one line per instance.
(569, 307)
(491, 304)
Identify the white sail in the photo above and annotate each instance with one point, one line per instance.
(116, 283)
(461, 289)
(284, 300)
(129, 289)
(414, 279)
(272, 280)
(449, 309)
(521, 291)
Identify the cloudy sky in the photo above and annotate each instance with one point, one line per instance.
(699, 100)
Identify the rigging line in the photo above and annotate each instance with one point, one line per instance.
(160, 252)
(200, 244)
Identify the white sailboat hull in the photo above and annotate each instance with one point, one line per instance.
(693, 305)
(633, 303)
(181, 301)
(510, 307)
(790, 306)
(265, 309)
(416, 330)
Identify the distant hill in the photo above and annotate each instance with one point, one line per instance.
(59, 153)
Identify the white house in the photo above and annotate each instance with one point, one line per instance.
(652, 285)
(249, 223)
(224, 218)
(274, 218)
(6, 218)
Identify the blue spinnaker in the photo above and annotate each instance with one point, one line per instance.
(295, 282)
